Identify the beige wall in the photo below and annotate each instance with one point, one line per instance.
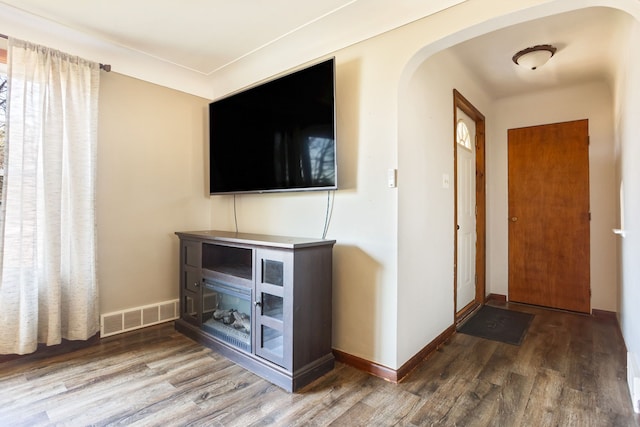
(425, 207)
(150, 183)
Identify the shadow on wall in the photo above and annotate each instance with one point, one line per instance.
(356, 301)
(205, 150)
(347, 119)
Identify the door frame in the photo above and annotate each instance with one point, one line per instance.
(463, 104)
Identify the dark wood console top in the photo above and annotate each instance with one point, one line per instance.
(255, 239)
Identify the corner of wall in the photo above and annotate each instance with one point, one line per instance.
(633, 380)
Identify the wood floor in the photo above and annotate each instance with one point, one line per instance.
(569, 371)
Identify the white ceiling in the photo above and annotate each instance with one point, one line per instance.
(207, 35)
(588, 43)
(201, 37)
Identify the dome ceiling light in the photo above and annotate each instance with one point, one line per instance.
(534, 57)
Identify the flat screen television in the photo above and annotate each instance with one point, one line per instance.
(277, 136)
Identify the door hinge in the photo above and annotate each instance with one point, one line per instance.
(589, 215)
(588, 139)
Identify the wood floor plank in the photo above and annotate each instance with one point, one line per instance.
(392, 408)
(170, 409)
(512, 401)
(228, 402)
(557, 339)
(30, 399)
(316, 396)
(581, 371)
(465, 360)
(438, 405)
(569, 370)
(98, 411)
(574, 408)
(427, 377)
(497, 370)
(31, 419)
(338, 401)
(543, 407)
(476, 407)
(359, 414)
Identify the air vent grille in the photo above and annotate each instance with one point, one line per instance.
(118, 322)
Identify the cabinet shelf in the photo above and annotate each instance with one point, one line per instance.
(230, 260)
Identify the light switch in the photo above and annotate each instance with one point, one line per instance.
(445, 180)
(392, 178)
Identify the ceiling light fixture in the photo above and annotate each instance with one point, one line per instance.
(534, 57)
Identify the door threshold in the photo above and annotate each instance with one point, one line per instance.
(464, 314)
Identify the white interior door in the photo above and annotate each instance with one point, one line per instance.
(466, 182)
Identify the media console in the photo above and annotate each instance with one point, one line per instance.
(262, 301)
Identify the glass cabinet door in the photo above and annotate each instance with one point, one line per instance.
(190, 281)
(190, 307)
(272, 306)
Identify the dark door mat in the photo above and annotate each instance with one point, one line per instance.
(498, 324)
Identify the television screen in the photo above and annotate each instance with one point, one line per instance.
(278, 136)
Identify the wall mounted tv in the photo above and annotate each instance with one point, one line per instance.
(277, 136)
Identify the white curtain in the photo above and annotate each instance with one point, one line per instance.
(48, 286)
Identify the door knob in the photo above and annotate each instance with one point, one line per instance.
(514, 218)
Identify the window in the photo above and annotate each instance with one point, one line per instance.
(462, 135)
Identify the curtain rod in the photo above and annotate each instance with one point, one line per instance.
(105, 67)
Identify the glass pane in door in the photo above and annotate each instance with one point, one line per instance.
(273, 272)
(272, 341)
(272, 306)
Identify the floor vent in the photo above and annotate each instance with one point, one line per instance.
(138, 317)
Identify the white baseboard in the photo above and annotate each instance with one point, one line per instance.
(130, 319)
(633, 379)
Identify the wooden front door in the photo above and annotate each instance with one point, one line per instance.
(549, 216)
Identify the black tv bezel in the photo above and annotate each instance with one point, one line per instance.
(289, 189)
